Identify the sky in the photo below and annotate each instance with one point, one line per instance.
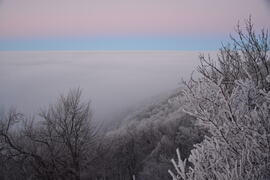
(124, 24)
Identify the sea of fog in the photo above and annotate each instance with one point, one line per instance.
(114, 81)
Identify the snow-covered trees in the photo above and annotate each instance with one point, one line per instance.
(61, 143)
(232, 100)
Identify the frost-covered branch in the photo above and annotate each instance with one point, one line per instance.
(231, 99)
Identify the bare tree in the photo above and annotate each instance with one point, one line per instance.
(60, 145)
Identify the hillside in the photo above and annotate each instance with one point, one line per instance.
(146, 139)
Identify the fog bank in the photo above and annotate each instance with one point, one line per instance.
(114, 81)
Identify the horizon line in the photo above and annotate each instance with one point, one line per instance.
(105, 51)
(115, 44)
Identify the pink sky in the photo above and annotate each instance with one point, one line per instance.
(68, 18)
